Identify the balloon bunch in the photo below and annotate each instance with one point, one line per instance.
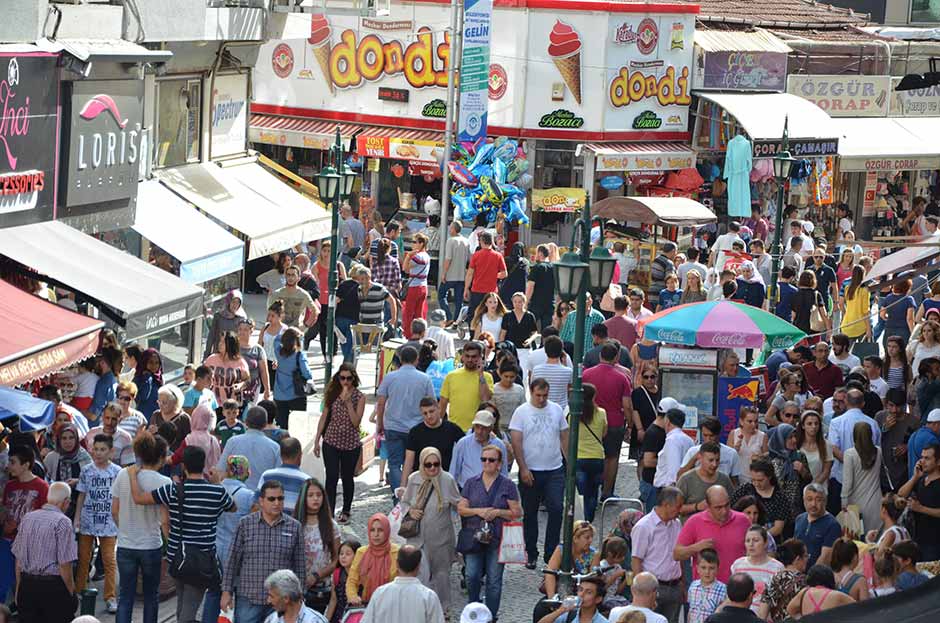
(489, 178)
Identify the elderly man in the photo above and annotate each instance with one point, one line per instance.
(45, 551)
(286, 597)
(817, 528)
(122, 448)
(352, 231)
(841, 437)
(718, 528)
(654, 538)
(265, 541)
(465, 462)
(405, 598)
(263, 452)
(643, 590)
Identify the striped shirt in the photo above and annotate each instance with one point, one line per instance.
(558, 377)
(372, 305)
(292, 479)
(45, 540)
(419, 269)
(203, 502)
(704, 600)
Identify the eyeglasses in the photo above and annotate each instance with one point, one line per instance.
(649, 376)
(345, 377)
(431, 465)
(488, 459)
(278, 498)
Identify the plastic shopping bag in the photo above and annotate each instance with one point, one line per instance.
(512, 545)
(851, 522)
(227, 616)
(394, 518)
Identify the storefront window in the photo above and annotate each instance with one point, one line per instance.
(925, 11)
(178, 121)
(557, 166)
(174, 347)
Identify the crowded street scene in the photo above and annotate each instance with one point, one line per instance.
(469, 311)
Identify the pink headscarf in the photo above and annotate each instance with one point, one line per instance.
(200, 437)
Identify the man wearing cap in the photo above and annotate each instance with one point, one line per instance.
(926, 435)
(677, 443)
(443, 339)
(654, 438)
(465, 462)
(476, 613)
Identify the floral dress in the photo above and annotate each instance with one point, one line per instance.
(781, 590)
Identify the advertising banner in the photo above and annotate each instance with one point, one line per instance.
(844, 96)
(916, 103)
(475, 70)
(229, 115)
(401, 149)
(733, 394)
(741, 71)
(29, 122)
(105, 135)
(558, 200)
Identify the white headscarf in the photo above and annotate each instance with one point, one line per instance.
(755, 274)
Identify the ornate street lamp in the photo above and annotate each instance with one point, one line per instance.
(783, 161)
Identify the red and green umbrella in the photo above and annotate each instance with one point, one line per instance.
(720, 324)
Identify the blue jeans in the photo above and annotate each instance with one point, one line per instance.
(648, 494)
(247, 612)
(344, 324)
(590, 476)
(550, 487)
(395, 442)
(148, 562)
(211, 607)
(450, 292)
(486, 560)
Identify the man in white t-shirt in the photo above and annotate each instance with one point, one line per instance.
(643, 591)
(874, 365)
(669, 460)
(555, 372)
(841, 354)
(539, 434)
(717, 255)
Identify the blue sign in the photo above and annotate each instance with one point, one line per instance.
(475, 70)
(207, 268)
(733, 394)
(611, 182)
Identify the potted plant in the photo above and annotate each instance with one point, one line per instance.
(368, 453)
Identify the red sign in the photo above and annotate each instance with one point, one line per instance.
(424, 169)
(498, 80)
(374, 146)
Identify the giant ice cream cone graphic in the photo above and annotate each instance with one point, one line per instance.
(565, 50)
(320, 43)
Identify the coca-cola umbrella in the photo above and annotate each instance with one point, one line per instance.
(720, 324)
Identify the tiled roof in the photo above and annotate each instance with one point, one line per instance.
(778, 13)
(845, 33)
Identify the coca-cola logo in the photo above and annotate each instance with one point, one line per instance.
(729, 339)
(14, 112)
(674, 336)
(781, 342)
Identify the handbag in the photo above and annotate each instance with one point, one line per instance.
(192, 565)
(299, 380)
(411, 527)
(817, 322)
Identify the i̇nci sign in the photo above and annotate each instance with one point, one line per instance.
(104, 141)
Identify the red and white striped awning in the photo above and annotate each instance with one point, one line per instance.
(372, 140)
(641, 156)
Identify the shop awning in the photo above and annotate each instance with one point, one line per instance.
(905, 260)
(204, 249)
(34, 413)
(114, 50)
(886, 144)
(250, 200)
(738, 41)
(140, 297)
(39, 338)
(677, 211)
(762, 116)
(371, 140)
(640, 156)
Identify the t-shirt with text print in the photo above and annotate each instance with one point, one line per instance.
(95, 482)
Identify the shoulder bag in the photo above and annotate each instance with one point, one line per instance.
(299, 380)
(817, 322)
(192, 565)
(411, 527)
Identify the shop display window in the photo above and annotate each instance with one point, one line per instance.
(179, 121)
(174, 347)
(924, 11)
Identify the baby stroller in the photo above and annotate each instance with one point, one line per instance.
(461, 325)
(354, 615)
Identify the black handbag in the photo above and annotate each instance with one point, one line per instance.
(192, 565)
(411, 527)
(299, 381)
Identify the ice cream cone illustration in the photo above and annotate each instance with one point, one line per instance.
(320, 43)
(565, 50)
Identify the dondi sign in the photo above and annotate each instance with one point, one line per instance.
(104, 141)
(29, 120)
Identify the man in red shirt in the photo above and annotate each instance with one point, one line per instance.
(821, 374)
(613, 395)
(619, 327)
(487, 267)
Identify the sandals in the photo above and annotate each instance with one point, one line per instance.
(343, 519)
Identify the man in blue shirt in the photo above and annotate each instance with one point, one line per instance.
(289, 474)
(817, 528)
(106, 387)
(398, 409)
(787, 290)
(465, 461)
(926, 435)
(262, 452)
(841, 436)
(795, 355)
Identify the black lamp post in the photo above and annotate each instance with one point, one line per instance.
(782, 163)
(334, 186)
(576, 273)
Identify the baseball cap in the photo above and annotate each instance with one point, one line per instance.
(484, 418)
(670, 403)
(933, 416)
(476, 613)
(438, 315)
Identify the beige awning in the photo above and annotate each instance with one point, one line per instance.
(678, 211)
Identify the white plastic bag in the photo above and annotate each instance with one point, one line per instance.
(512, 545)
(394, 518)
(227, 616)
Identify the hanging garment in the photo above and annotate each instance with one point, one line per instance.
(737, 172)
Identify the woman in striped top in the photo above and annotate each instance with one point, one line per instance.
(899, 370)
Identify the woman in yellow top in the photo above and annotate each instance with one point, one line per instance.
(856, 305)
(590, 467)
(375, 564)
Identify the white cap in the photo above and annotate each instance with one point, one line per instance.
(670, 403)
(476, 613)
(933, 416)
(808, 227)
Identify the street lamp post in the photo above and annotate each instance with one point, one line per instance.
(335, 183)
(575, 274)
(782, 163)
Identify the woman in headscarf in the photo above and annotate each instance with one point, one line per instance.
(517, 271)
(751, 288)
(65, 463)
(225, 320)
(375, 564)
(790, 464)
(431, 496)
(149, 379)
(200, 437)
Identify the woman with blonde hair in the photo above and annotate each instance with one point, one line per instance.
(693, 291)
(431, 497)
(488, 316)
(582, 553)
(925, 342)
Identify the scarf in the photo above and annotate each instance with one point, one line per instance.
(376, 564)
(430, 482)
(777, 445)
(237, 467)
(200, 437)
(70, 463)
(755, 274)
(142, 370)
